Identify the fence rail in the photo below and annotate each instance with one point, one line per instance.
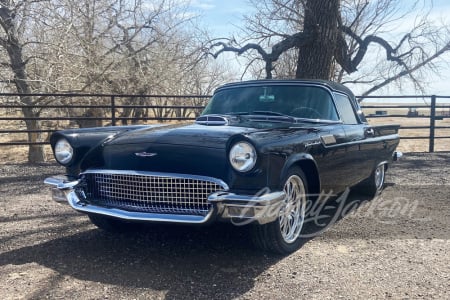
(415, 111)
(47, 113)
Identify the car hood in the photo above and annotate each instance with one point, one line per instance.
(180, 134)
(184, 149)
(194, 149)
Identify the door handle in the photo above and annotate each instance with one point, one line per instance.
(370, 132)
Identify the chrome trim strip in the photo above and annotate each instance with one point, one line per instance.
(61, 183)
(243, 208)
(158, 174)
(213, 119)
(383, 163)
(218, 123)
(263, 200)
(145, 154)
(76, 204)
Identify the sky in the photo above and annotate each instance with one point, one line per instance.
(223, 17)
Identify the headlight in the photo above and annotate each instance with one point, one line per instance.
(243, 156)
(63, 151)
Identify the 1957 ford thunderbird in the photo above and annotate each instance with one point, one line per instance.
(259, 151)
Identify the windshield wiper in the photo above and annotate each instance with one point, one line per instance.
(269, 113)
(316, 121)
(260, 115)
(294, 119)
(257, 112)
(238, 113)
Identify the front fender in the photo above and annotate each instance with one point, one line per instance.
(307, 163)
(86, 140)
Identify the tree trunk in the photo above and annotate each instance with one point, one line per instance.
(36, 152)
(321, 21)
(12, 46)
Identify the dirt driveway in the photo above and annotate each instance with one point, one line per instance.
(396, 246)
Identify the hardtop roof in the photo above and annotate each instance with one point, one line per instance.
(334, 86)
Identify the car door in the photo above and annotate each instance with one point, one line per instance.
(331, 158)
(358, 139)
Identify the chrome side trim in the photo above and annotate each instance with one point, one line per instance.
(145, 154)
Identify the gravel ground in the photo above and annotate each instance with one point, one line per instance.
(395, 246)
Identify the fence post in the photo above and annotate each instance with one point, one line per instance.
(113, 111)
(432, 123)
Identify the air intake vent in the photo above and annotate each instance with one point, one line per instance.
(212, 120)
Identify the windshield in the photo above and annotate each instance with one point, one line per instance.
(306, 102)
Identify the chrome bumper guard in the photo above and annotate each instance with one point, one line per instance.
(397, 155)
(240, 209)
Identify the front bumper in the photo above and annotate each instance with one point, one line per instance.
(263, 207)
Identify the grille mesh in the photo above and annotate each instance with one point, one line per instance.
(149, 193)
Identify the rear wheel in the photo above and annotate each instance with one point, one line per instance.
(282, 236)
(373, 185)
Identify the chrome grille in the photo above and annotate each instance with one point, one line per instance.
(149, 192)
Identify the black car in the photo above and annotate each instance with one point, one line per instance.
(257, 154)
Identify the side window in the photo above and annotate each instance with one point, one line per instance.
(345, 109)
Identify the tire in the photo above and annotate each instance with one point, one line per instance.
(109, 224)
(282, 236)
(373, 185)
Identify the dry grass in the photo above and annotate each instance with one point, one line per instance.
(417, 145)
(18, 154)
(421, 145)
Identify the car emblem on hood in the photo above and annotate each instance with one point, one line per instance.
(145, 154)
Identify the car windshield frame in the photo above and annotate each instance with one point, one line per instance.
(276, 102)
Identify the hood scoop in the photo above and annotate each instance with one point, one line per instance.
(212, 120)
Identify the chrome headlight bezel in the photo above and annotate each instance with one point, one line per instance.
(243, 156)
(63, 151)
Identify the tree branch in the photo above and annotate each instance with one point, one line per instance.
(408, 71)
(296, 40)
(352, 64)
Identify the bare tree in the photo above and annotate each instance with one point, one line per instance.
(9, 41)
(330, 39)
(102, 46)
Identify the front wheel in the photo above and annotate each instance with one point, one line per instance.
(282, 236)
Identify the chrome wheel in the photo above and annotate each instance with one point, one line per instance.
(373, 185)
(283, 235)
(292, 214)
(379, 177)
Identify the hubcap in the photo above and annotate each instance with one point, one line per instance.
(379, 177)
(292, 214)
